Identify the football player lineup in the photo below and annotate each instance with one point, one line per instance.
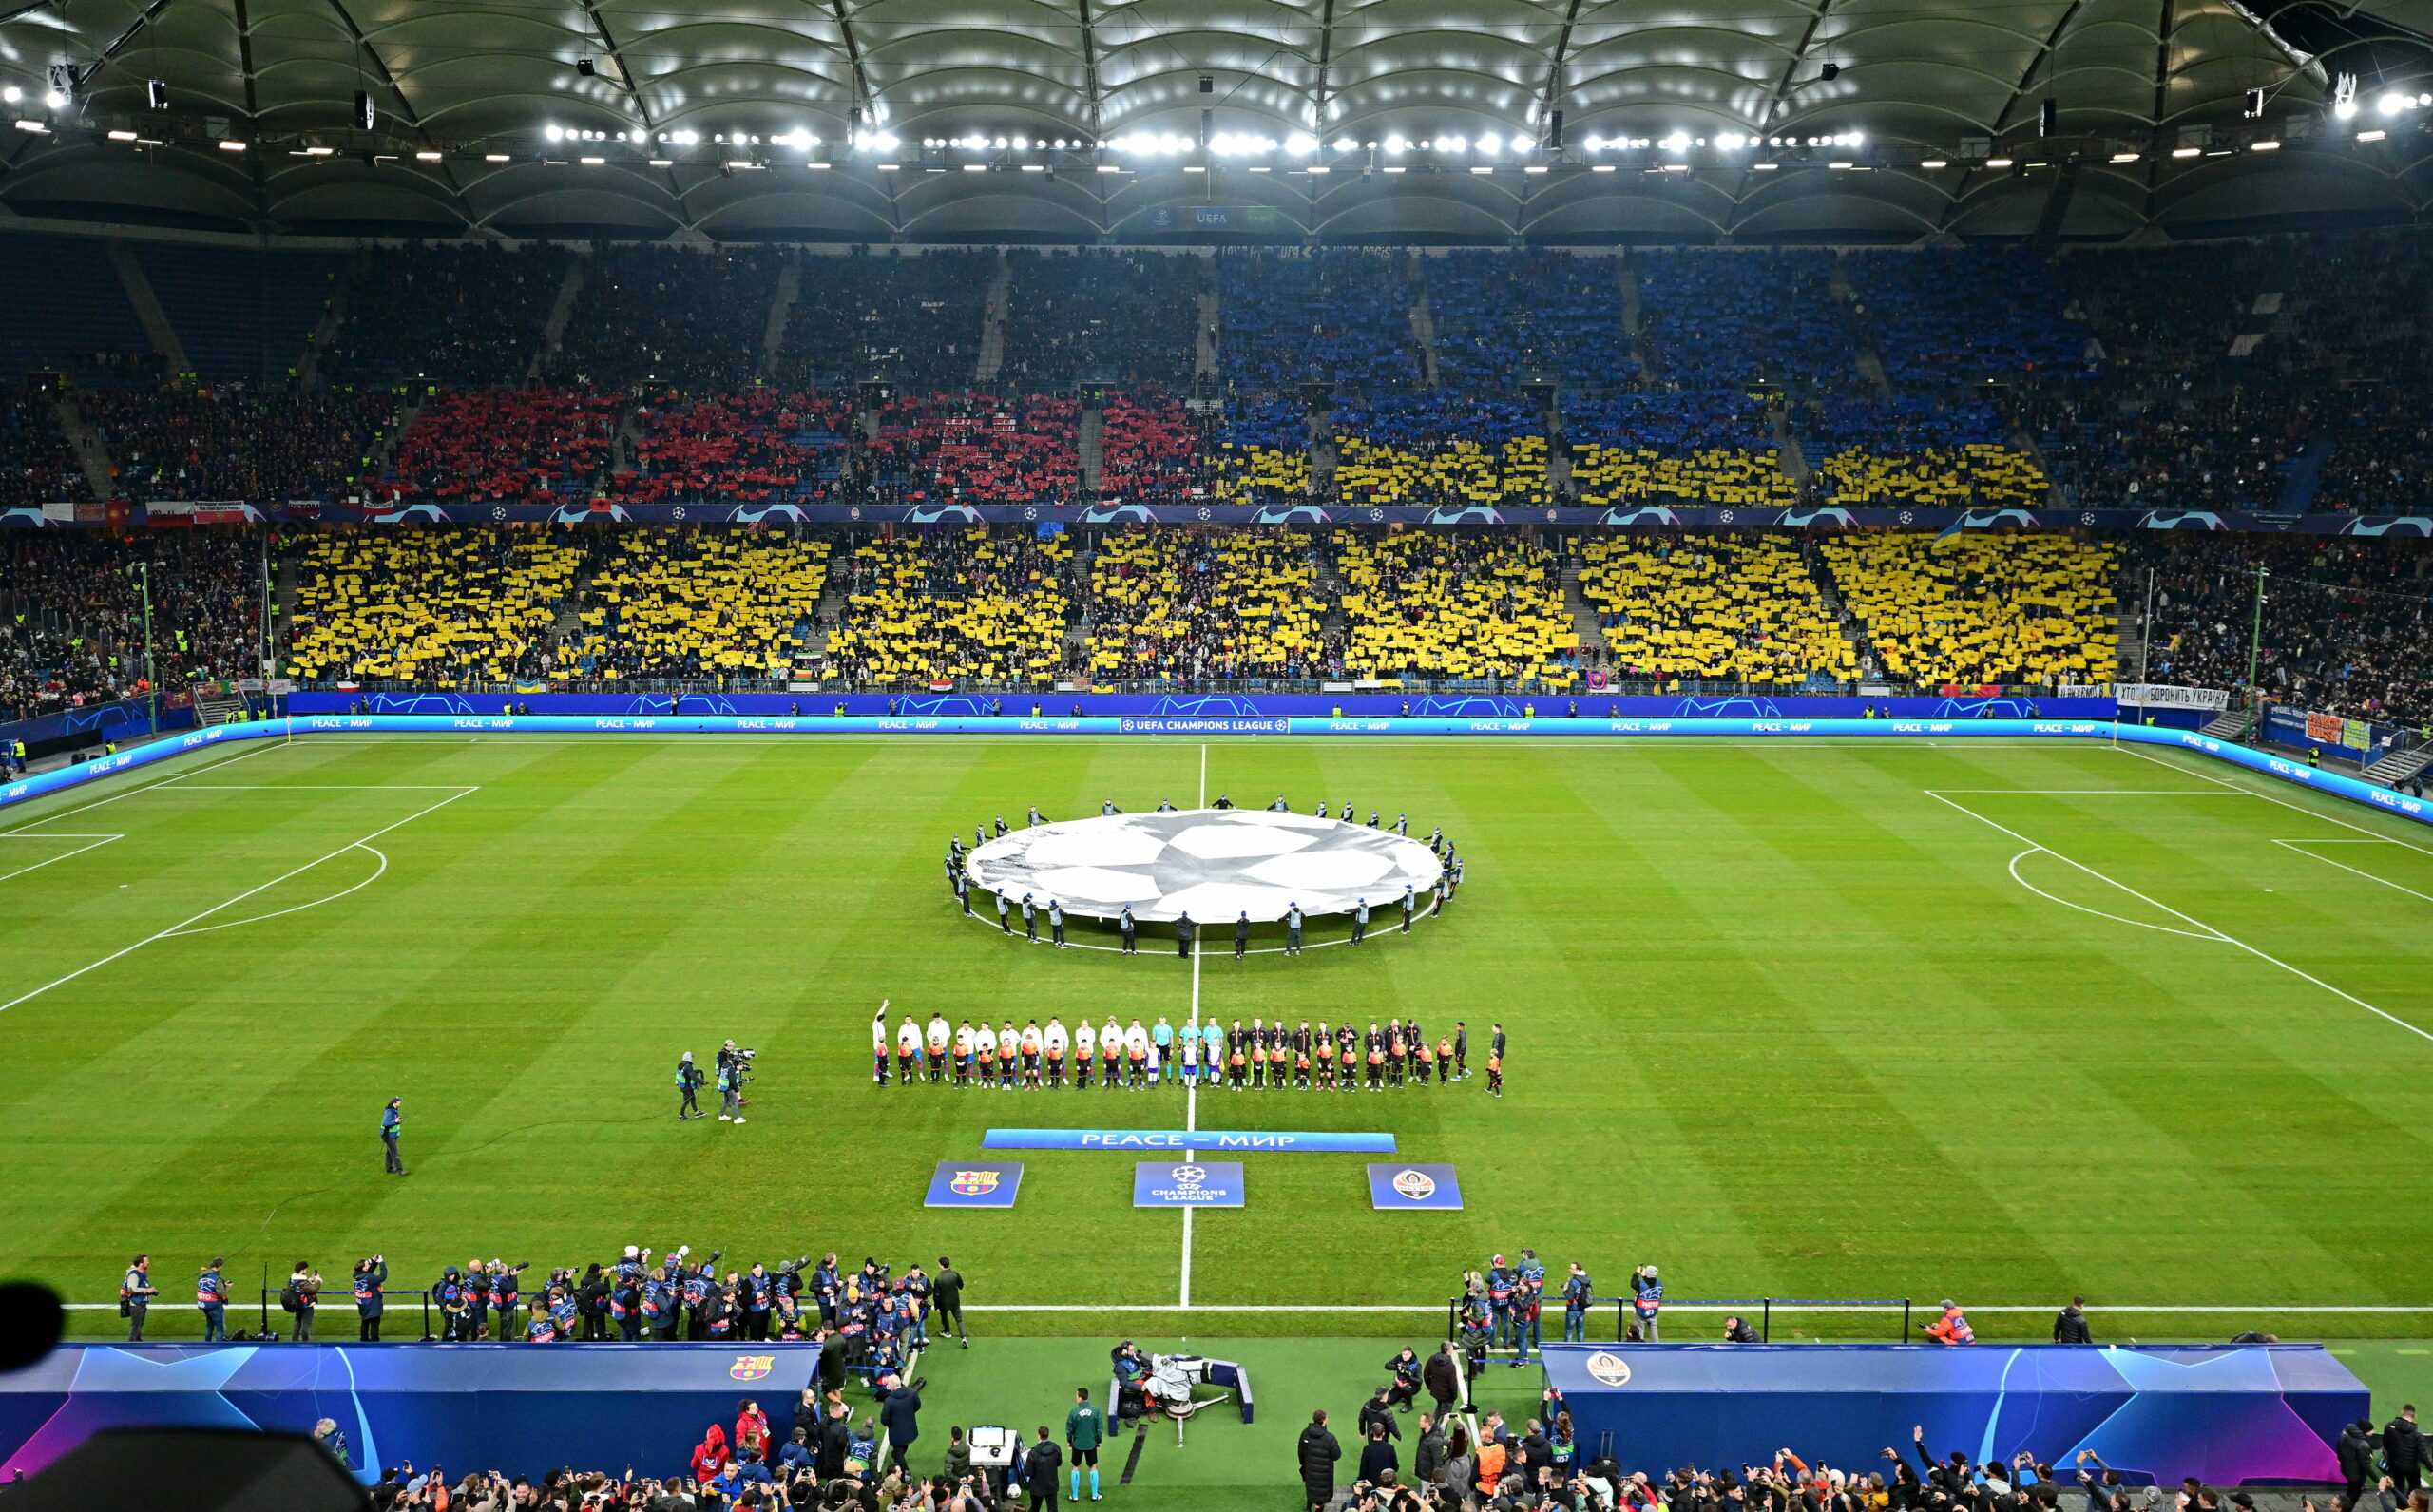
(1112, 1055)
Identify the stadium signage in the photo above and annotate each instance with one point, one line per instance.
(975, 1184)
(1227, 1139)
(1414, 1188)
(1188, 1184)
(1153, 725)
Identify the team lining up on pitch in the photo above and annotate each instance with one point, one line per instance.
(1140, 1058)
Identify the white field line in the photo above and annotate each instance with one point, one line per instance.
(187, 926)
(93, 842)
(1567, 742)
(2098, 913)
(2269, 797)
(2300, 846)
(146, 787)
(1679, 1307)
(1191, 1088)
(377, 873)
(2176, 914)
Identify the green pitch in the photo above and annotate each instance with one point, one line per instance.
(1784, 1020)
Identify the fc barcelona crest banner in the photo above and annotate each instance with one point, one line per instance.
(975, 1184)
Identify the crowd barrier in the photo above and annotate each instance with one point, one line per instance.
(1759, 1309)
(2297, 773)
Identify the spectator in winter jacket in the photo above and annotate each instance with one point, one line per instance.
(2356, 1451)
(1443, 1376)
(1379, 1411)
(2070, 1325)
(1377, 1455)
(899, 1416)
(1319, 1451)
(711, 1457)
(2403, 1456)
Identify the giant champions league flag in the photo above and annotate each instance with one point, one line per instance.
(2226, 1414)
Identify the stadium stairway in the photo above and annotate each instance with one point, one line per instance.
(782, 304)
(308, 367)
(1626, 274)
(1868, 361)
(2398, 766)
(100, 472)
(1089, 444)
(2228, 725)
(553, 331)
(2302, 475)
(146, 304)
(1422, 329)
(1209, 311)
(1584, 616)
(992, 329)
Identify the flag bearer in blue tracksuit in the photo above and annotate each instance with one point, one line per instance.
(211, 1299)
(371, 1278)
(1647, 1300)
(1576, 1290)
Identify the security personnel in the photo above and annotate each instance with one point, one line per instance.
(370, 1277)
(688, 1081)
(1360, 921)
(393, 1125)
(211, 1300)
(1293, 928)
(1130, 927)
(1576, 1290)
(135, 1295)
(1952, 1327)
(1185, 931)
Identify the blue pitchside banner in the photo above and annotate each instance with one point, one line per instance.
(1414, 1186)
(1178, 1140)
(1190, 1184)
(975, 1184)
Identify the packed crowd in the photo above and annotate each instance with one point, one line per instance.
(2346, 628)
(1167, 604)
(913, 318)
(1123, 317)
(1743, 607)
(1338, 314)
(1981, 608)
(469, 316)
(757, 446)
(946, 605)
(504, 445)
(1462, 608)
(234, 443)
(439, 608)
(35, 464)
(72, 613)
(694, 321)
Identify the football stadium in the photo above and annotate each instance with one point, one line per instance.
(1715, 718)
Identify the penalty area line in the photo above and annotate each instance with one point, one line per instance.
(2226, 939)
(187, 926)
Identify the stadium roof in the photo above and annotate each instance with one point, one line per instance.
(461, 93)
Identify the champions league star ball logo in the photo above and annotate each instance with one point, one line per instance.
(1609, 1370)
(1417, 1185)
(974, 1184)
(1188, 1177)
(1213, 863)
(752, 1367)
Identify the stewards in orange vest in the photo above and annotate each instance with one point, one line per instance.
(1952, 1327)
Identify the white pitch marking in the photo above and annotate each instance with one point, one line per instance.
(185, 925)
(53, 818)
(2166, 907)
(2300, 846)
(377, 874)
(1191, 1089)
(2084, 909)
(2253, 792)
(97, 840)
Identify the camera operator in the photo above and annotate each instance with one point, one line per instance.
(735, 1072)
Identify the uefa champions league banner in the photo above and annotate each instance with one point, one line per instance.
(515, 1408)
(2228, 1415)
(1931, 729)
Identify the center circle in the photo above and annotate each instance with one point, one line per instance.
(1213, 863)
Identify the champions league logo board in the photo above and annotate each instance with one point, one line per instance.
(1414, 1186)
(975, 1184)
(1215, 864)
(1187, 1184)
